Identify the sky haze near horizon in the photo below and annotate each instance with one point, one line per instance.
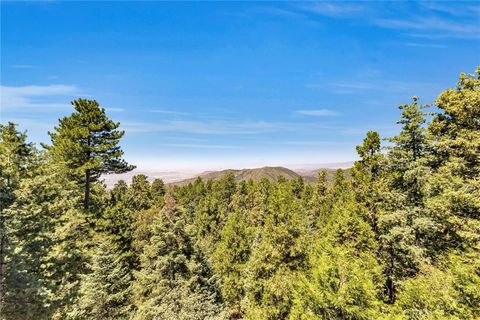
(212, 85)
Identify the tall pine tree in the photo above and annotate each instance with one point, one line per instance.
(86, 142)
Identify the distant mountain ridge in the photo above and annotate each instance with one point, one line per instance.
(309, 174)
(256, 174)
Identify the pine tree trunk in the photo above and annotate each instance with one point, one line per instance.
(87, 190)
(390, 281)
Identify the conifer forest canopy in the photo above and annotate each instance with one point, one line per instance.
(397, 236)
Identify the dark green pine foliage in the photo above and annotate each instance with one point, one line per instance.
(127, 219)
(158, 191)
(117, 221)
(22, 241)
(455, 182)
(105, 292)
(212, 211)
(118, 193)
(258, 211)
(343, 278)
(142, 231)
(71, 236)
(127, 204)
(189, 198)
(405, 226)
(86, 143)
(278, 253)
(449, 288)
(172, 282)
(367, 177)
(139, 194)
(32, 221)
(409, 155)
(233, 251)
(316, 203)
(392, 230)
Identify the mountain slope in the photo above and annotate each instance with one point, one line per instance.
(271, 173)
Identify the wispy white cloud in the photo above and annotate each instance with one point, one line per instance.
(355, 85)
(450, 8)
(384, 130)
(432, 27)
(115, 109)
(30, 123)
(27, 97)
(333, 9)
(23, 66)
(318, 112)
(224, 127)
(311, 143)
(276, 11)
(375, 83)
(165, 111)
(424, 45)
(432, 20)
(55, 89)
(199, 146)
(344, 87)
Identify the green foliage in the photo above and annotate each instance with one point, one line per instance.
(86, 144)
(427, 296)
(279, 252)
(105, 292)
(172, 280)
(342, 280)
(395, 237)
(230, 258)
(23, 227)
(455, 199)
(341, 285)
(212, 211)
(447, 291)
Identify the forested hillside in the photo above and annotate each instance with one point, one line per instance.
(256, 174)
(400, 239)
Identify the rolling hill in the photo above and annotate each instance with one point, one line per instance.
(271, 173)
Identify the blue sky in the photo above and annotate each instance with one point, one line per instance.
(233, 84)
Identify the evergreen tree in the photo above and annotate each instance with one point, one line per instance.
(428, 295)
(404, 226)
(408, 157)
(22, 230)
(212, 211)
(118, 193)
(342, 284)
(105, 292)
(390, 220)
(71, 237)
(367, 177)
(118, 222)
(278, 253)
(29, 225)
(139, 194)
(455, 198)
(86, 143)
(142, 230)
(158, 191)
(170, 283)
(342, 278)
(232, 253)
